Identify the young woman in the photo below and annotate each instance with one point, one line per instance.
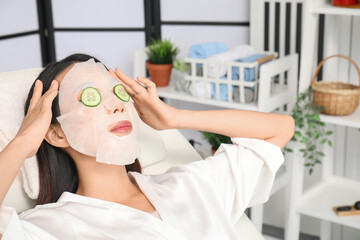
(82, 198)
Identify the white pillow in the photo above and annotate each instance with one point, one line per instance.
(14, 89)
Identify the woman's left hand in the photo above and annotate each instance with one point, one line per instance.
(150, 108)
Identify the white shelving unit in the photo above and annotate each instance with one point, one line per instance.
(269, 98)
(318, 201)
(351, 120)
(167, 92)
(332, 10)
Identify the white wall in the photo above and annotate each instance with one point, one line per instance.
(114, 48)
(100, 14)
(19, 52)
(204, 11)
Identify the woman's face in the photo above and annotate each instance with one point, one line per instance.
(111, 126)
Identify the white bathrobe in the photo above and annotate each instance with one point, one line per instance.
(199, 200)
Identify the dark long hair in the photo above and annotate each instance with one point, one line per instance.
(57, 170)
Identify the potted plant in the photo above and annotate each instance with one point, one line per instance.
(215, 140)
(309, 129)
(161, 54)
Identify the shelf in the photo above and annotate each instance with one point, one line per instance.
(328, 9)
(320, 199)
(167, 92)
(351, 120)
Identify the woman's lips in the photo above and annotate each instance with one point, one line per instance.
(120, 127)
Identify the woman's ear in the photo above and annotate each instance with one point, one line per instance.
(56, 137)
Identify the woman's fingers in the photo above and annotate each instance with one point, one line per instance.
(134, 85)
(127, 88)
(114, 75)
(36, 94)
(51, 92)
(149, 84)
(47, 97)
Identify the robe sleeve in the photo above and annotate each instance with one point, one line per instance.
(13, 227)
(10, 224)
(241, 174)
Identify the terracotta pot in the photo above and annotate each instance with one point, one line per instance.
(159, 73)
(213, 151)
(344, 2)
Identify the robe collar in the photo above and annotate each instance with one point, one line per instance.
(169, 220)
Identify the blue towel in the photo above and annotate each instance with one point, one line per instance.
(205, 50)
(223, 91)
(249, 76)
(249, 73)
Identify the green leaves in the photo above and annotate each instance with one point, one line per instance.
(216, 139)
(181, 66)
(329, 133)
(309, 129)
(161, 52)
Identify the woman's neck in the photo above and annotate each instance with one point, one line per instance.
(104, 181)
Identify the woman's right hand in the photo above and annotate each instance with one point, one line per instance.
(38, 118)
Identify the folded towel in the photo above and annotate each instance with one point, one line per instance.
(223, 91)
(200, 86)
(249, 93)
(11, 115)
(231, 55)
(249, 73)
(202, 90)
(249, 76)
(204, 50)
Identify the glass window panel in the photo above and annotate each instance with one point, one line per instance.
(112, 48)
(20, 53)
(18, 16)
(96, 14)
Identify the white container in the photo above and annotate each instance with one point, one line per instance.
(242, 87)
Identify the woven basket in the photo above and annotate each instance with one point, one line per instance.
(337, 98)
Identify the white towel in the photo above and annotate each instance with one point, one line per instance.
(13, 94)
(231, 55)
(202, 90)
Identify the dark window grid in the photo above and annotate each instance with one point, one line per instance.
(19, 34)
(47, 29)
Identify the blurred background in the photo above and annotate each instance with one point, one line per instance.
(36, 32)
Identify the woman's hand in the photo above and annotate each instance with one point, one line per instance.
(150, 108)
(37, 120)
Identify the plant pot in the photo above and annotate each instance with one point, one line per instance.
(213, 151)
(159, 73)
(344, 2)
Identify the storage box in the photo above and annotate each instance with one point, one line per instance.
(240, 84)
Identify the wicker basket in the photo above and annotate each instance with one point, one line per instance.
(337, 98)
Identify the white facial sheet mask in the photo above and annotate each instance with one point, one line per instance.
(86, 128)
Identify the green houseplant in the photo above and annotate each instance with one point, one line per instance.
(309, 129)
(215, 140)
(161, 54)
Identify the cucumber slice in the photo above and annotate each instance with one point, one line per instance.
(90, 97)
(120, 92)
